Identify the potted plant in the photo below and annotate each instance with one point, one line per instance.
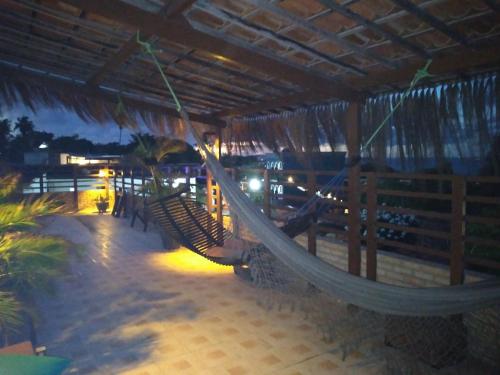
(102, 204)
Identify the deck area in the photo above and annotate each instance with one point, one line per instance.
(129, 307)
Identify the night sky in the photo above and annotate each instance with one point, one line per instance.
(61, 122)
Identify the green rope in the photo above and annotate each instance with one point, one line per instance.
(419, 75)
(148, 49)
(120, 107)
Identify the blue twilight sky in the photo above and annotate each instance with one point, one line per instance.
(61, 122)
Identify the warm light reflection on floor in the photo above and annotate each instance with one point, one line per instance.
(185, 261)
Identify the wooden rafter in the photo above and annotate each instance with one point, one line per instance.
(396, 39)
(179, 31)
(431, 20)
(127, 50)
(172, 9)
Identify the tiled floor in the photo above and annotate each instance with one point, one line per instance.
(131, 308)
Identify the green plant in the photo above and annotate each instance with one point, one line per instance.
(10, 310)
(28, 261)
(101, 199)
(149, 153)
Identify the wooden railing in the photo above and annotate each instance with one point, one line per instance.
(457, 219)
(448, 209)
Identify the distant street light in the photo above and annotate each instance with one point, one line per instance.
(254, 184)
(43, 146)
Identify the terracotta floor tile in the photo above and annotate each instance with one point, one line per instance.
(138, 312)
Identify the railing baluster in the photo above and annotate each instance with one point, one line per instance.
(267, 194)
(75, 187)
(371, 227)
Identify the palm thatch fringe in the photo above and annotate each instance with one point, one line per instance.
(439, 121)
(303, 130)
(92, 105)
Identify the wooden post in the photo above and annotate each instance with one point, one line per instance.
(218, 191)
(114, 182)
(124, 197)
(267, 194)
(218, 198)
(132, 188)
(313, 228)
(457, 230)
(123, 180)
(209, 192)
(41, 183)
(75, 187)
(143, 183)
(354, 220)
(371, 227)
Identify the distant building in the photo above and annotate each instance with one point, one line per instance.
(46, 157)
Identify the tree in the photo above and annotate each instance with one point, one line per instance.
(150, 151)
(25, 126)
(5, 128)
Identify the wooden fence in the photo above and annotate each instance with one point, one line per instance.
(455, 219)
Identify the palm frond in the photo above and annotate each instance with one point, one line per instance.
(21, 216)
(30, 262)
(10, 310)
(8, 185)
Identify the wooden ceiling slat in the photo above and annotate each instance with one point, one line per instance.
(280, 39)
(21, 48)
(431, 20)
(328, 35)
(396, 39)
(213, 65)
(180, 31)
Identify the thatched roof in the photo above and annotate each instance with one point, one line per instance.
(235, 57)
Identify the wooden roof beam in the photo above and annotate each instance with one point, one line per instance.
(172, 9)
(435, 22)
(396, 39)
(179, 31)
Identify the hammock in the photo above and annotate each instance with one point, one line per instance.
(185, 220)
(371, 295)
(358, 291)
(192, 226)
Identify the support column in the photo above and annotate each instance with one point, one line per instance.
(354, 220)
(75, 187)
(313, 228)
(218, 192)
(371, 227)
(457, 230)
